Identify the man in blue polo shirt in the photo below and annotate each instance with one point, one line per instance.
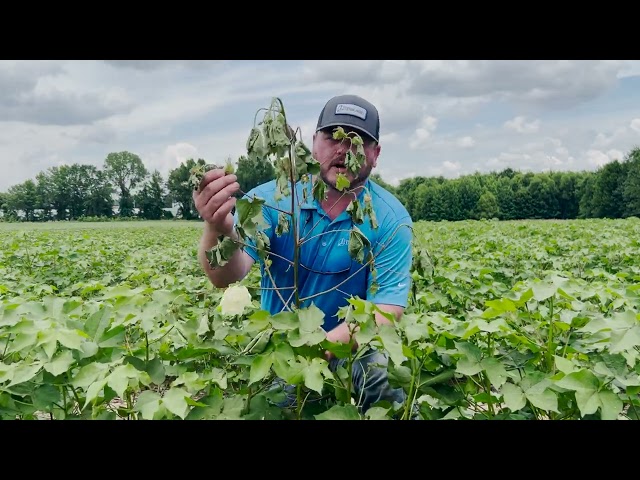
(328, 275)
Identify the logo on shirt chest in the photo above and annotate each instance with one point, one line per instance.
(342, 242)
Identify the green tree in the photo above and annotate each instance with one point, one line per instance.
(23, 197)
(544, 197)
(375, 177)
(150, 200)
(487, 206)
(44, 194)
(179, 189)
(631, 186)
(125, 170)
(608, 190)
(253, 172)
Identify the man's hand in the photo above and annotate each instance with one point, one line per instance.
(214, 200)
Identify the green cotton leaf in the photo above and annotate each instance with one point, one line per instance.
(582, 380)
(191, 380)
(283, 224)
(367, 332)
(155, 369)
(8, 315)
(260, 367)
(356, 212)
(498, 307)
(369, 211)
(174, 401)
(48, 342)
(342, 182)
(297, 338)
(290, 370)
(400, 376)
(311, 318)
(543, 290)
(314, 374)
(469, 350)
(285, 321)
(89, 374)
(98, 322)
(513, 396)
(319, 190)
(546, 400)
(377, 413)
(88, 349)
(113, 337)
(70, 339)
(358, 242)
(588, 401)
(413, 330)
(119, 378)
(611, 405)
(250, 216)
(340, 412)
(45, 396)
(24, 372)
(6, 371)
(564, 365)
(218, 376)
(148, 404)
(624, 340)
(391, 342)
(468, 366)
(495, 371)
(219, 255)
(22, 341)
(203, 325)
(60, 363)
(93, 391)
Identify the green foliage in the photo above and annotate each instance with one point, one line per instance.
(510, 320)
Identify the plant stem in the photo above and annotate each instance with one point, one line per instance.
(550, 337)
(146, 339)
(4, 353)
(247, 407)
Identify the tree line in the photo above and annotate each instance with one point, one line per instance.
(124, 188)
(611, 191)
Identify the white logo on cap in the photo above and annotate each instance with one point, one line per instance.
(351, 109)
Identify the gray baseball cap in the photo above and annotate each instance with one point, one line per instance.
(350, 111)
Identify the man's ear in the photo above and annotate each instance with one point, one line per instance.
(375, 160)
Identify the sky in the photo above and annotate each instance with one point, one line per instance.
(438, 117)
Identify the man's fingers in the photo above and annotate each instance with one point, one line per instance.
(213, 188)
(225, 209)
(219, 199)
(209, 177)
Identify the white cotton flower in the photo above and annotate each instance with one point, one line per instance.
(234, 300)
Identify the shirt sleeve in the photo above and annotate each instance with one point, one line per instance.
(393, 260)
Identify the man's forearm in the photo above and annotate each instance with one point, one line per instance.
(235, 269)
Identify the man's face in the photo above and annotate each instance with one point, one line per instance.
(332, 156)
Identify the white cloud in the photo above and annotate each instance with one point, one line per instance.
(422, 134)
(466, 142)
(437, 117)
(520, 125)
(598, 158)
